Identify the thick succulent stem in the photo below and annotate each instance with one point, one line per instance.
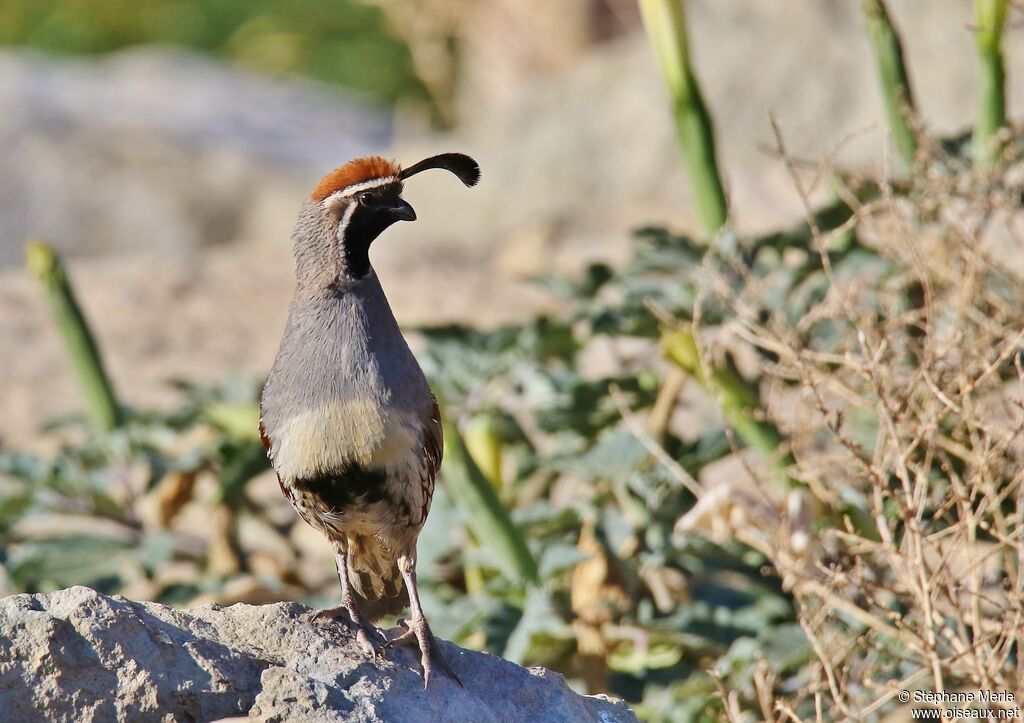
(738, 401)
(98, 391)
(736, 398)
(486, 448)
(892, 70)
(477, 499)
(990, 18)
(665, 22)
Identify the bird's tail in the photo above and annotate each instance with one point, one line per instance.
(373, 572)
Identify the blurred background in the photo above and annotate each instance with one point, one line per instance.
(161, 149)
(165, 147)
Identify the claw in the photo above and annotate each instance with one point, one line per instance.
(402, 638)
(435, 656)
(362, 631)
(431, 655)
(333, 614)
(430, 651)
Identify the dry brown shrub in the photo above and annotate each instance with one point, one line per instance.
(901, 392)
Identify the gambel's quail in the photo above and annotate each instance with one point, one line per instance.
(349, 422)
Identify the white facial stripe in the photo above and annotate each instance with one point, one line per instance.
(346, 217)
(350, 191)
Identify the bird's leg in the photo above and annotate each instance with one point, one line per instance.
(348, 605)
(417, 627)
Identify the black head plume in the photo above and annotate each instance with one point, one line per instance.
(458, 163)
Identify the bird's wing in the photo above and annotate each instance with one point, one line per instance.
(265, 440)
(270, 456)
(433, 450)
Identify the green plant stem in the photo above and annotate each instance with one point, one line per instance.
(737, 399)
(489, 521)
(990, 17)
(486, 448)
(892, 70)
(98, 391)
(665, 21)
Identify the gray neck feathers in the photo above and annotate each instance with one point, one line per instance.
(318, 261)
(342, 343)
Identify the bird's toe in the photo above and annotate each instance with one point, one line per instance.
(431, 656)
(365, 633)
(436, 658)
(406, 637)
(336, 613)
(363, 637)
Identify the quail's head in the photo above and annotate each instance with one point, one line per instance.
(351, 207)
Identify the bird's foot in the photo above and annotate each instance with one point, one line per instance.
(431, 656)
(365, 633)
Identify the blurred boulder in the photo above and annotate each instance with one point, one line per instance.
(78, 655)
(158, 150)
(572, 162)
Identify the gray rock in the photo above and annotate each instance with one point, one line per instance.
(77, 655)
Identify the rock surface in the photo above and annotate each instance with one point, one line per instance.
(77, 655)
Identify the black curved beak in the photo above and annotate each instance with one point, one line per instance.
(400, 210)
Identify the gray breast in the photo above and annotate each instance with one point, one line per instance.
(345, 388)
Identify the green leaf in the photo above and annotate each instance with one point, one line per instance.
(240, 420)
(556, 558)
(632, 658)
(540, 620)
(73, 560)
(241, 464)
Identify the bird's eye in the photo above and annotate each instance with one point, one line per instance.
(365, 198)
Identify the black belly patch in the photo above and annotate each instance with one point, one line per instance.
(352, 488)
